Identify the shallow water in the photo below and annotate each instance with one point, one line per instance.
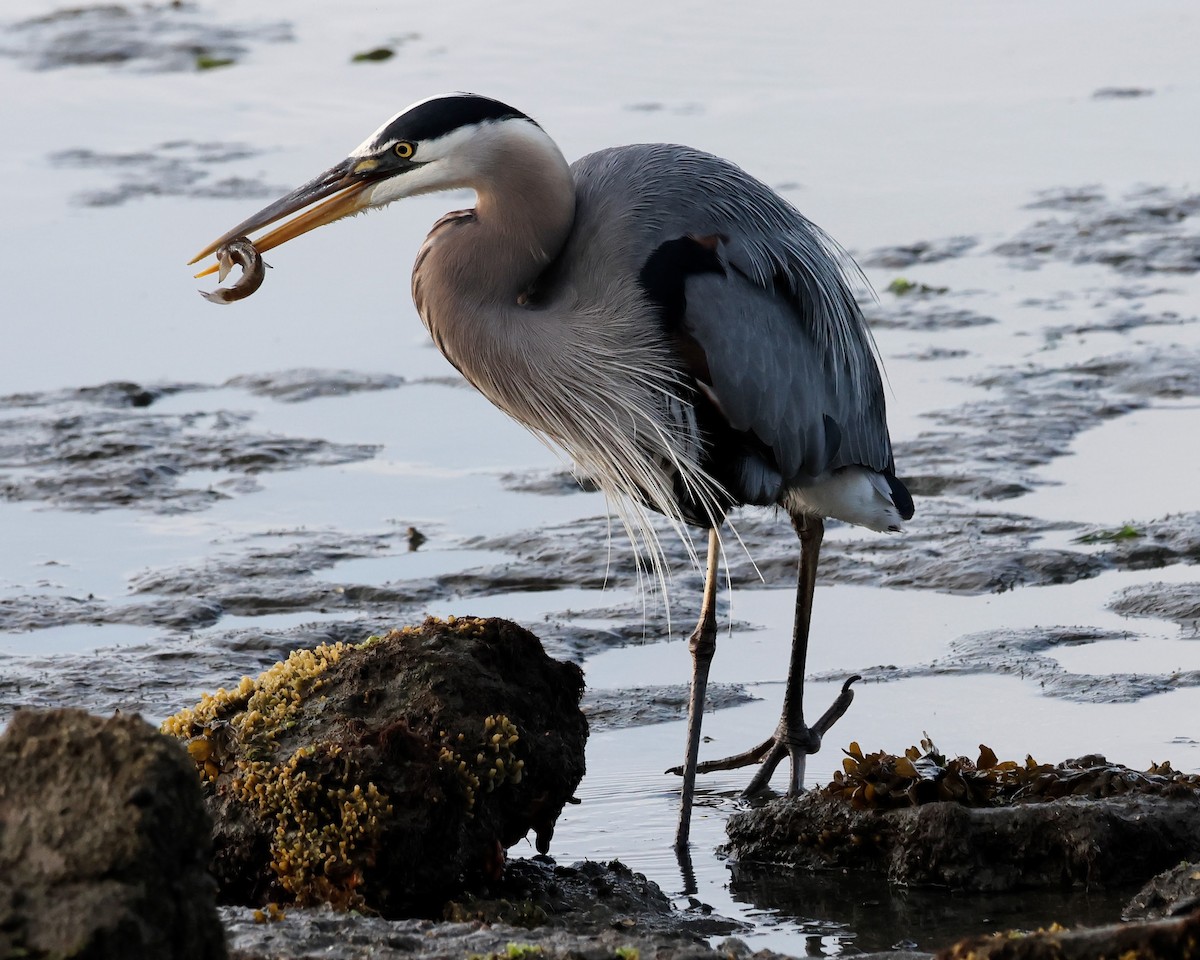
(885, 126)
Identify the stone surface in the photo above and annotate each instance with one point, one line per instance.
(1173, 893)
(1081, 840)
(103, 842)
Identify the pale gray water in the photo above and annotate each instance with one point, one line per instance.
(887, 125)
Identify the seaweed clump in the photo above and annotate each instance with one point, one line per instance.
(381, 776)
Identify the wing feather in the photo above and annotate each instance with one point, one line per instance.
(788, 359)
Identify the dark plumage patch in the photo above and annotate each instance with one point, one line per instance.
(833, 443)
(666, 271)
(664, 278)
(900, 497)
(436, 118)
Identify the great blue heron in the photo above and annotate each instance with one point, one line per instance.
(667, 320)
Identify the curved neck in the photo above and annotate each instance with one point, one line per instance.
(476, 266)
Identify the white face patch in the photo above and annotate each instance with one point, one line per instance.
(458, 159)
(454, 142)
(448, 174)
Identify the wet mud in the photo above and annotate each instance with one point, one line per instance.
(180, 168)
(922, 251)
(1029, 654)
(97, 448)
(639, 706)
(1121, 93)
(1162, 601)
(295, 386)
(1154, 230)
(927, 317)
(150, 37)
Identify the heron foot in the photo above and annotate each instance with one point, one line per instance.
(795, 741)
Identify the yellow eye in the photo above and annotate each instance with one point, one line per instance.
(404, 150)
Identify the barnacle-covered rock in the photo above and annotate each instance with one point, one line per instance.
(379, 776)
(920, 818)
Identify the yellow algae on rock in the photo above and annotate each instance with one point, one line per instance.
(324, 827)
(378, 776)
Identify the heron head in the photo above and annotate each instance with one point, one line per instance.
(441, 143)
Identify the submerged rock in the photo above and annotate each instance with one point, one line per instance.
(383, 775)
(103, 842)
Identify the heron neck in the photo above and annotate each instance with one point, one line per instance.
(489, 259)
(473, 276)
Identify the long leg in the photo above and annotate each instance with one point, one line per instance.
(703, 644)
(792, 738)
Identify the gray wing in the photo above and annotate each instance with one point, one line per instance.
(774, 338)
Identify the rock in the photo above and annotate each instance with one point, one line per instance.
(1085, 840)
(1170, 894)
(1156, 940)
(538, 909)
(386, 775)
(311, 934)
(104, 842)
(585, 898)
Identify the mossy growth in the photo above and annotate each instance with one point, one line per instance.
(375, 54)
(1125, 532)
(902, 286)
(205, 61)
(513, 951)
(325, 828)
(464, 626)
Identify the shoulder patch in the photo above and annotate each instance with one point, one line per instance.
(667, 269)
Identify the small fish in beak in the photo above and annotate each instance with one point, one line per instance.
(241, 251)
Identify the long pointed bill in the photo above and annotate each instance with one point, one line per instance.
(342, 189)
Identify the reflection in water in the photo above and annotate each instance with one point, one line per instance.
(864, 912)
